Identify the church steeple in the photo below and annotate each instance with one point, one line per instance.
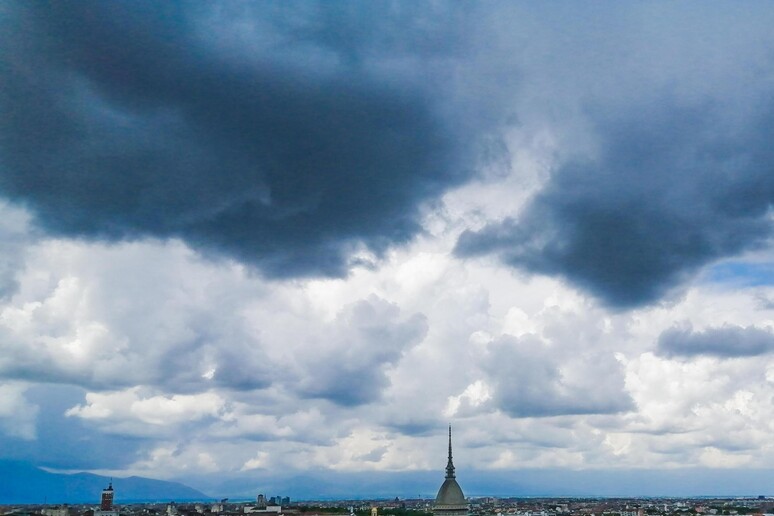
(450, 464)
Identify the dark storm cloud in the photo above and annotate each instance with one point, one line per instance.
(727, 341)
(670, 189)
(124, 120)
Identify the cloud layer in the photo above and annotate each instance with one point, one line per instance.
(304, 237)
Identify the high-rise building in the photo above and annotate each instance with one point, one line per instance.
(450, 500)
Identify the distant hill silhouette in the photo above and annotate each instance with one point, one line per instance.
(25, 483)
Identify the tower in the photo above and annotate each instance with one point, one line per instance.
(450, 500)
(106, 504)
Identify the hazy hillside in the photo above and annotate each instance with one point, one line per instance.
(24, 483)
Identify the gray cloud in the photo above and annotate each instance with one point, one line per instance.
(529, 382)
(347, 362)
(289, 152)
(174, 346)
(15, 235)
(726, 341)
(671, 188)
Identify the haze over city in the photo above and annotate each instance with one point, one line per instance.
(280, 246)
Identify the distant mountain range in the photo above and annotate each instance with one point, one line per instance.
(24, 483)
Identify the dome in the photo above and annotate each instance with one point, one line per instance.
(450, 494)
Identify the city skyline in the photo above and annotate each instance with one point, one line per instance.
(292, 242)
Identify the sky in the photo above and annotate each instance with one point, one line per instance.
(242, 239)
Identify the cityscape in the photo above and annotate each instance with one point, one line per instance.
(485, 506)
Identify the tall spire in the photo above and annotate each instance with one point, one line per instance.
(450, 464)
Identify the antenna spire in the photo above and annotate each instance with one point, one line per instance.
(450, 464)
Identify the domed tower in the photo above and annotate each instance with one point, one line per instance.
(450, 500)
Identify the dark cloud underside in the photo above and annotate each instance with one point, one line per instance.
(672, 188)
(727, 341)
(120, 121)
